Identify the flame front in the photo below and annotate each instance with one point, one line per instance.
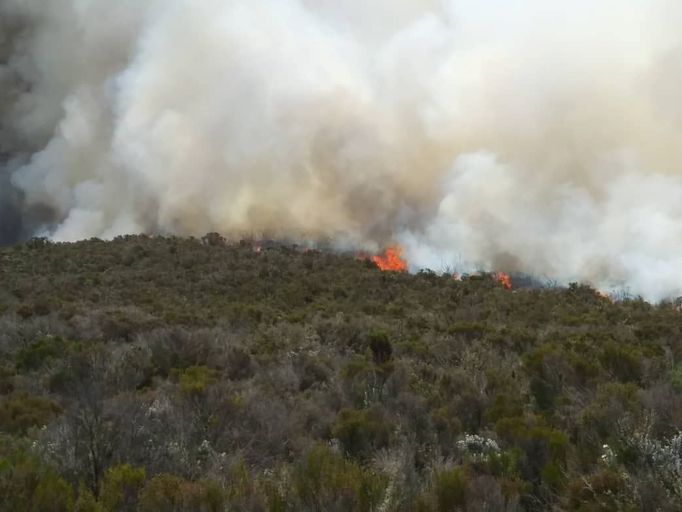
(504, 280)
(391, 260)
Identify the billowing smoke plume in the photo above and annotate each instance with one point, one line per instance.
(533, 136)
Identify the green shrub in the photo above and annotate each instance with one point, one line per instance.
(586, 366)
(503, 464)
(468, 330)
(623, 360)
(540, 445)
(610, 404)
(362, 431)
(381, 347)
(6, 380)
(676, 378)
(52, 494)
(450, 489)
(39, 353)
(553, 475)
(542, 379)
(27, 483)
(447, 426)
(504, 406)
(120, 487)
(361, 380)
(170, 493)
(324, 480)
(603, 491)
(544, 393)
(20, 412)
(163, 493)
(86, 501)
(195, 379)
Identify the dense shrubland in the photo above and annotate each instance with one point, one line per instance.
(173, 374)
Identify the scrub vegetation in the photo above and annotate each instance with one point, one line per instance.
(169, 374)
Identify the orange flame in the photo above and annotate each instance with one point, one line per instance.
(603, 295)
(391, 260)
(503, 279)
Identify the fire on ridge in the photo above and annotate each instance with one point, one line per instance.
(391, 260)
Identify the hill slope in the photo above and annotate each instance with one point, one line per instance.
(151, 373)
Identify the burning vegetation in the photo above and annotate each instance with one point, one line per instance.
(503, 279)
(391, 260)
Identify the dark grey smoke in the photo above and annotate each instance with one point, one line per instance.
(12, 28)
(11, 227)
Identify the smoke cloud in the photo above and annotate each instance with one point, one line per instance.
(529, 136)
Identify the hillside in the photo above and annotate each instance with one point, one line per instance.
(173, 374)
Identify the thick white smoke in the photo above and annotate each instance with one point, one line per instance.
(534, 136)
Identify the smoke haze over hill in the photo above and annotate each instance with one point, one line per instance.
(536, 137)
